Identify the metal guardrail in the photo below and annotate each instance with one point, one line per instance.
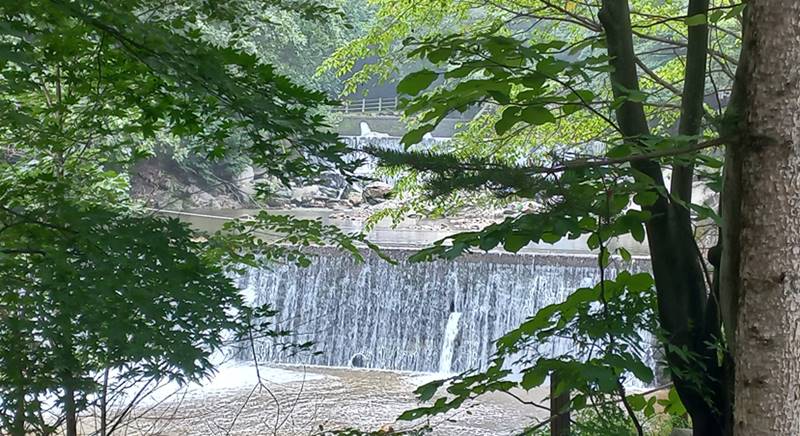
(369, 105)
(388, 106)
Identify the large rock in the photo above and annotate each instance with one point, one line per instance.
(376, 192)
(355, 198)
(273, 186)
(197, 198)
(278, 202)
(331, 179)
(313, 195)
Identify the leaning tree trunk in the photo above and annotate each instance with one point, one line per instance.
(768, 328)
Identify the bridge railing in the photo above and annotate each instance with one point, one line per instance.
(369, 105)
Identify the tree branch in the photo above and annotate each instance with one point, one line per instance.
(583, 163)
(24, 250)
(691, 100)
(432, 162)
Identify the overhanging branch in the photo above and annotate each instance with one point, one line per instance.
(425, 161)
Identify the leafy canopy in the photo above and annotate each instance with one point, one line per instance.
(91, 284)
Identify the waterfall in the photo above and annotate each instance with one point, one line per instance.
(450, 333)
(378, 315)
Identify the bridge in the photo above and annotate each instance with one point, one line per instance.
(384, 115)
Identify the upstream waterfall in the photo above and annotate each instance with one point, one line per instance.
(434, 316)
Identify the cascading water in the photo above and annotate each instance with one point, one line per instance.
(450, 333)
(403, 317)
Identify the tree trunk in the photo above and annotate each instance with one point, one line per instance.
(680, 283)
(70, 411)
(768, 328)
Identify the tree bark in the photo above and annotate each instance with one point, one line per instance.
(768, 328)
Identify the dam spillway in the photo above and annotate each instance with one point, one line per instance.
(379, 315)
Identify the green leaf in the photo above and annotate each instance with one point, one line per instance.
(736, 11)
(537, 115)
(550, 67)
(649, 409)
(637, 231)
(695, 20)
(428, 390)
(672, 404)
(535, 81)
(645, 198)
(515, 241)
(637, 402)
(716, 16)
(415, 136)
(550, 238)
(440, 54)
(509, 118)
(605, 257)
(640, 282)
(415, 82)
(705, 212)
(533, 378)
(593, 241)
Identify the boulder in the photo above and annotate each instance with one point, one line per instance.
(376, 192)
(355, 198)
(331, 179)
(278, 202)
(198, 199)
(274, 188)
(337, 204)
(313, 195)
(358, 361)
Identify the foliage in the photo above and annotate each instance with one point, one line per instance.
(601, 328)
(126, 70)
(248, 241)
(83, 290)
(90, 284)
(585, 106)
(603, 420)
(297, 45)
(560, 38)
(292, 40)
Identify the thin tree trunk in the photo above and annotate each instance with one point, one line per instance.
(768, 328)
(18, 425)
(70, 410)
(694, 87)
(104, 405)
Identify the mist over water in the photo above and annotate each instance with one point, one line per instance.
(379, 315)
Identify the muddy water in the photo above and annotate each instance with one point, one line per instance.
(325, 398)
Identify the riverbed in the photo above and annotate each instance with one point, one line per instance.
(303, 400)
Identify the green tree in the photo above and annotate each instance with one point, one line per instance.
(292, 40)
(589, 104)
(91, 285)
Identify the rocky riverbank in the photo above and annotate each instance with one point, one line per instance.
(164, 185)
